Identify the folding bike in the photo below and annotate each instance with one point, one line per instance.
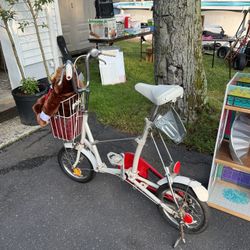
(181, 200)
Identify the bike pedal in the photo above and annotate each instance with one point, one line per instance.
(115, 159)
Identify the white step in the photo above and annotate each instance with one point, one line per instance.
(115, 159)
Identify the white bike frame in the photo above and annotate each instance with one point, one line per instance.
(88, 148)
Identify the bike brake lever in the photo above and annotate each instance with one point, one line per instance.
(102, 60)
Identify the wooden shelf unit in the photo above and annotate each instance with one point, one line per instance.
(237, 109)
(222, 158)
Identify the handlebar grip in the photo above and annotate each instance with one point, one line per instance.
(109, 53)
(69, 70)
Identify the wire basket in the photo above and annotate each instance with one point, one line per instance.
(67, 123)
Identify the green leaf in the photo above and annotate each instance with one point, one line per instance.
(23, 25)
(38, 4)
(44, 25)
(29, 86)
(7, 15)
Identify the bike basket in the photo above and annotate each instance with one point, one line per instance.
(171, 125)
(67, 123)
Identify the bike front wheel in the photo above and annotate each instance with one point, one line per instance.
(188, 204)
(83, 172)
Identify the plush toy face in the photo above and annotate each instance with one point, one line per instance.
(65, 87)
(48, 105)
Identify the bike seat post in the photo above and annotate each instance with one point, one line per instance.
(142, 140)
(140, 144)
(154, 112)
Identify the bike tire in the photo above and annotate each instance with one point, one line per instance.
(203, 216)
(66, 158)
(222, 52)
(240, 61)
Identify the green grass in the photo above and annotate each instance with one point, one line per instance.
(122, 107)
(202, 136)
(217, 78)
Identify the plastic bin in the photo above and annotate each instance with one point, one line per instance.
(236, 177)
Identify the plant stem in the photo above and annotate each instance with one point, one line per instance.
(14, 49)
(38, 38)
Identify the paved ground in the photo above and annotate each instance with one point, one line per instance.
(12, 130)
(6, 99)
(41, 208)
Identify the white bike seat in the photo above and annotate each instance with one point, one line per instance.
(159, 94)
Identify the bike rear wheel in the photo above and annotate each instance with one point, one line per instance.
(188, 203)
(83, 172)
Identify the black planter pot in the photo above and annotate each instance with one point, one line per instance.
(44, 82)
(24, 104)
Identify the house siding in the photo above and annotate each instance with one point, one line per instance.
(27, 44)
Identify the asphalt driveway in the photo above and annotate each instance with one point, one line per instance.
(41, 208)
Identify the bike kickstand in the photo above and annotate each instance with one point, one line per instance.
(181, 237)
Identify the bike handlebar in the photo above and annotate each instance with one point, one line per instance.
(95, 54)
(70, 68)
(108, 53)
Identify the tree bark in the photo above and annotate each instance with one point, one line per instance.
(14, 49)
(178, 52)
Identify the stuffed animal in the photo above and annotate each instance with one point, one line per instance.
(49, 104)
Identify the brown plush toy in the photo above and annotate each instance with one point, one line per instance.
(48, 105)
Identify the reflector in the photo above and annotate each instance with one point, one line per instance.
(188, 219)
(177, 167)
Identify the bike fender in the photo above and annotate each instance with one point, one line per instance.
(91, 157)
(85, 152)
(199, 190)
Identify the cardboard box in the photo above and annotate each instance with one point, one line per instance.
(102, 28)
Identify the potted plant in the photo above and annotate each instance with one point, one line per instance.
(30, 90)
(25, 97)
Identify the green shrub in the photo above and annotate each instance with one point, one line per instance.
(29, 86)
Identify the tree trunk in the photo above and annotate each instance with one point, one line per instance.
(38, 37)
(178, 52)
(14, 49)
